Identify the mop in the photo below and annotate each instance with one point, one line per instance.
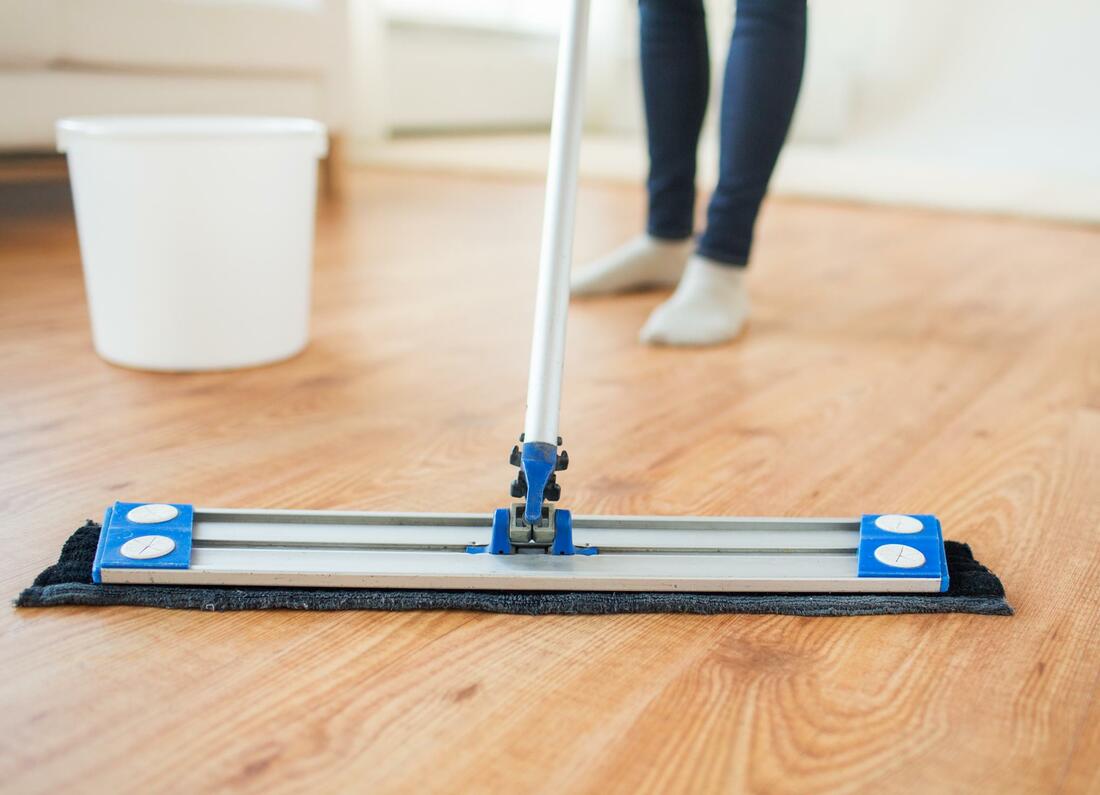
(531, 556)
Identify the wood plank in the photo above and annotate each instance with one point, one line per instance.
(896, 360)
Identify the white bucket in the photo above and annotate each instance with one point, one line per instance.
(196, 235)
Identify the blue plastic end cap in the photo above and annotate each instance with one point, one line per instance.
(122, 523)
(902, 546)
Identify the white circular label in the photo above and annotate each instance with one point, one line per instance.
(146, 547)
(153, 513)
(899, 523)
(899, 556)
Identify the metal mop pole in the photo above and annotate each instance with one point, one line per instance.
(552, 301)
(540, 432)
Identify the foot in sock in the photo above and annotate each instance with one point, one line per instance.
(710, 306)
(642, 263)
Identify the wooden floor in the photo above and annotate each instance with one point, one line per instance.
(897, 360)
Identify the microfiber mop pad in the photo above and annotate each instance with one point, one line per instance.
(973, 589)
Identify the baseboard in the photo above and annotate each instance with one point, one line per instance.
(21, 168)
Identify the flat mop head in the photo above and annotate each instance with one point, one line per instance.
(177, 544)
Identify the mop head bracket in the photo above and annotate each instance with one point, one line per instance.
(533, 525)
(552, 535)
(178, 544)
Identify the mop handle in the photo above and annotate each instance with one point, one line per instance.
(552, 297)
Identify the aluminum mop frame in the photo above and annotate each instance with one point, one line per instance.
(530, 545)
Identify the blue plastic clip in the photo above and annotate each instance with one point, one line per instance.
(500, 544)
(118, 528)
(563, 536)
(902, 545)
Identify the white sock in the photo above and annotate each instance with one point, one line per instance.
(710, 305)
(641, 263)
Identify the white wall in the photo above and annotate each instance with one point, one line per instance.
(990, 105)
(424, 66)
(968, 104)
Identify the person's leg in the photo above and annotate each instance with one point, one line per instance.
(675, 84)
(763, 75)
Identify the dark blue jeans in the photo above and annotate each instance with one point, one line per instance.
(763, 74)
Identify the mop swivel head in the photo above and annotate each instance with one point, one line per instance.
(537, 481)
(533, 525)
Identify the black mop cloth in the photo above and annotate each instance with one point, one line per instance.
(974, 589)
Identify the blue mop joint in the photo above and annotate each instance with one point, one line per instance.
(537, 484)
(537, 463)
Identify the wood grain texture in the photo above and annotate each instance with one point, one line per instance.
(896, 360)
